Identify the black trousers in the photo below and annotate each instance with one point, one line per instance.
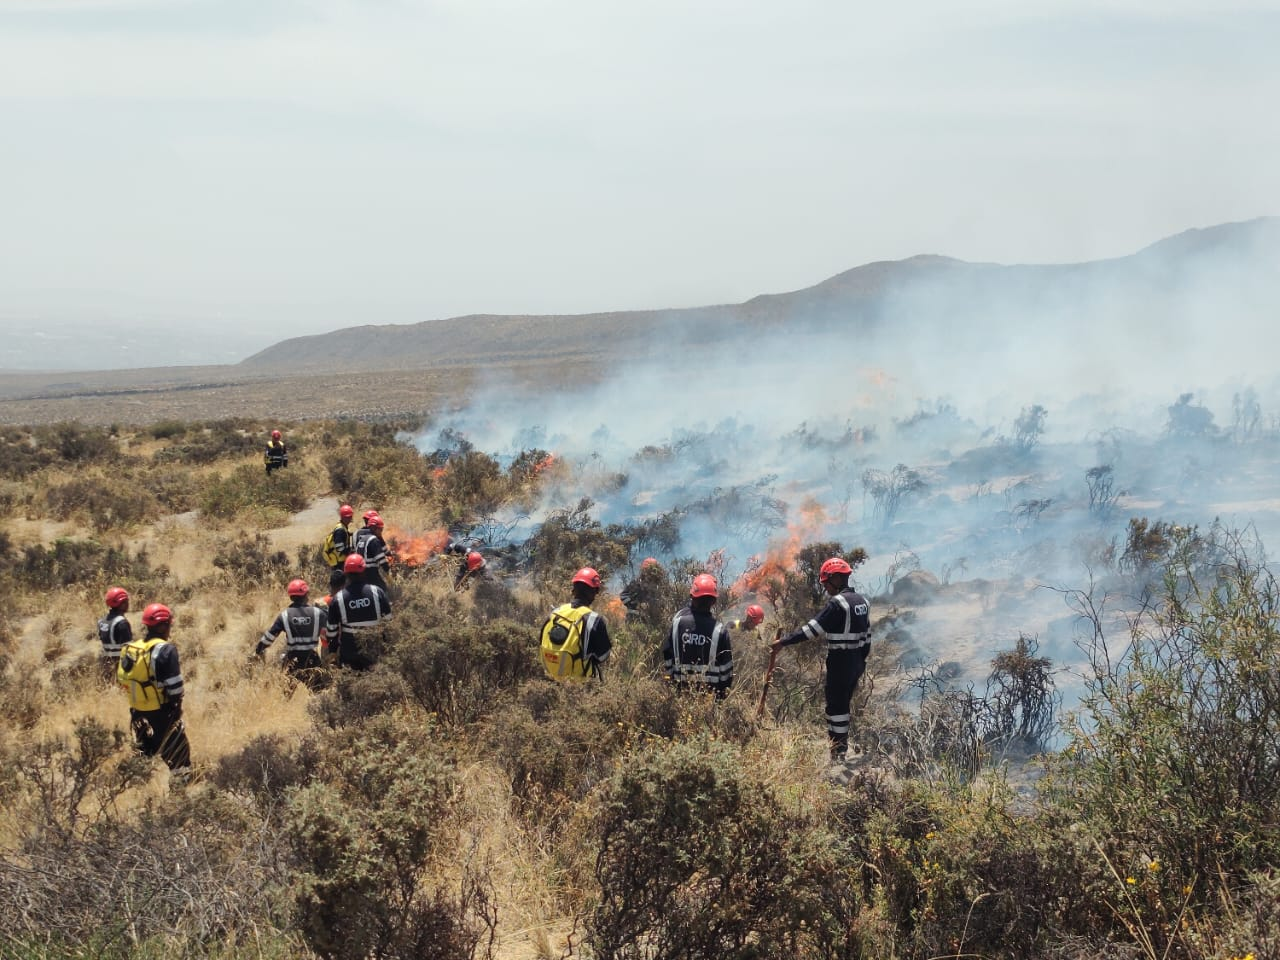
(294, 662)
(844, 670)
(162, 732)
(351, 656)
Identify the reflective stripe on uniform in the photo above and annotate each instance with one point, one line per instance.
(305, 643)
(848, 640)
(709, 672)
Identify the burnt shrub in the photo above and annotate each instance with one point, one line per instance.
(181, 879)
(696, 859)
(573, 538)
(459, 672)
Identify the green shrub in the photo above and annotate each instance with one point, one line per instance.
(570, 539)
(253, 561)
(168, 429)
(23, 451)
(557, 741)
(1174, 759)
(363, 845)
(459, 672)
(248, 489)
(84, 563)
(73, 443)
(267, 767)
(696, 859)
(102, 502)
(221, 440)
(176, 491)
(377, 473)
(355, 697)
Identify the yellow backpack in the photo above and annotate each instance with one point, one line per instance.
(330, 549)
(134, 674)
(562, 637)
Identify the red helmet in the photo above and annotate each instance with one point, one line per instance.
(834, 565)
(588, 577)
(474, 560)
(375, 522)
(368, 515)
(155, 614)
(353, 564)
(648, 562)
(297, 588)
(704, 585)
(275, 434)
(755, 614)
(345, 511)
(117, 596)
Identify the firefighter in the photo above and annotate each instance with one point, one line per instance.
(276, 456)
(751, 621)
(302, 625)
(355, 609)
(845, 624)
(575, 639)
(340, 541)
(696, 653)
(643, 596)
(473, 568)
(114, 630)
(370, 546)
(150, 671)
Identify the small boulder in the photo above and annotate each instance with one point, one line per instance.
(918, 586)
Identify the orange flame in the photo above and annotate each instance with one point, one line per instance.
(412, 550)
(614, 610)
(439, 472)
(767, 577)
(549, 460)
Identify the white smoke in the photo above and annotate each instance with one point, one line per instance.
(737, 429)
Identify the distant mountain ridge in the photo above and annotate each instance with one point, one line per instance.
(1179, 286)
(861, 298)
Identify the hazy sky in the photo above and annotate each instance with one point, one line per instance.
(283, 167)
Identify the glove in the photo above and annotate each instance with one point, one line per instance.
(177, 709)
(260, 651)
